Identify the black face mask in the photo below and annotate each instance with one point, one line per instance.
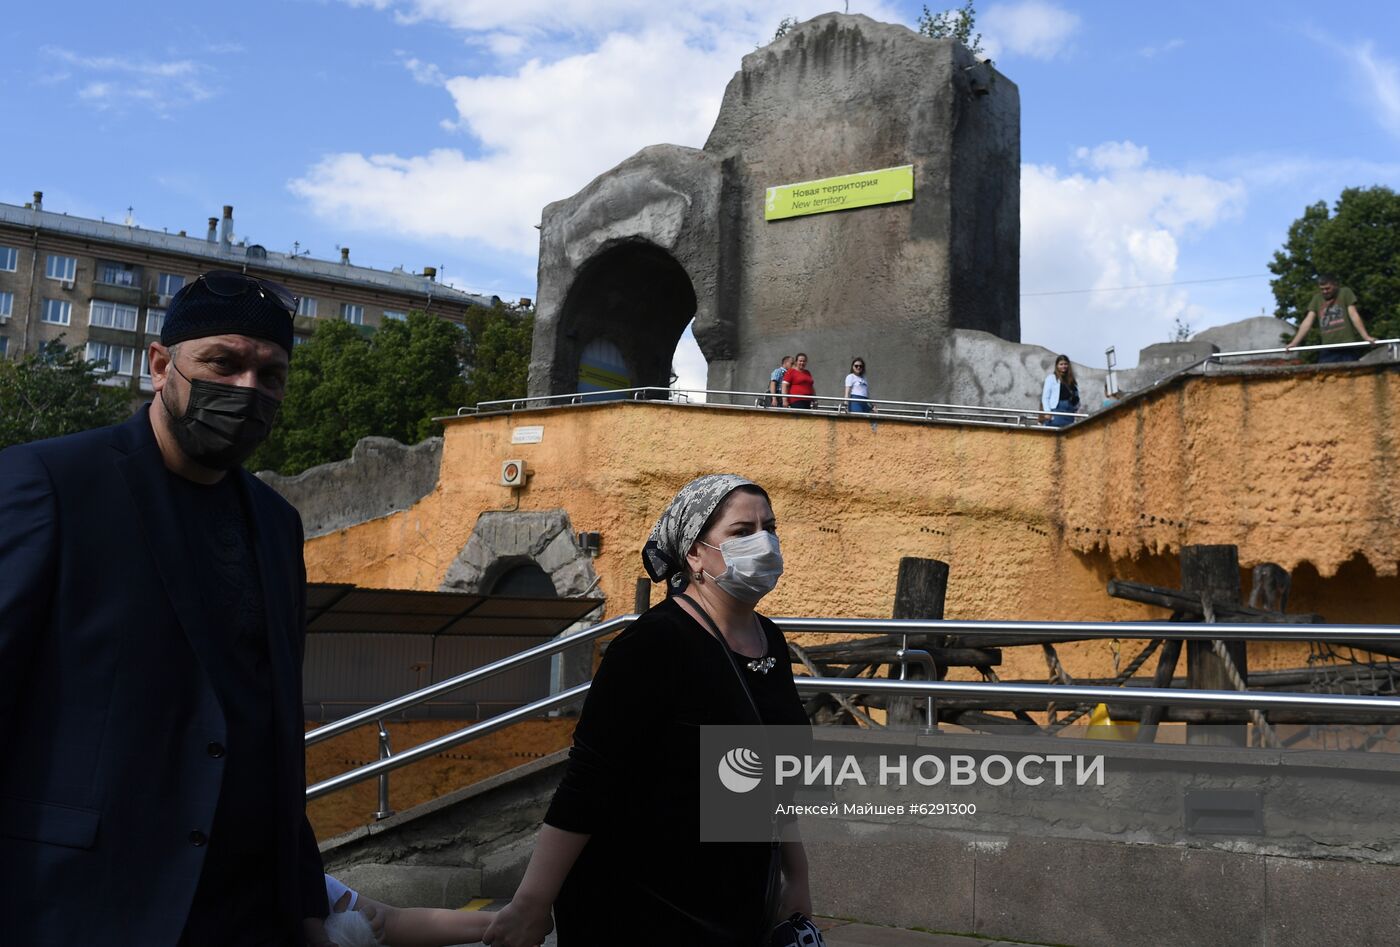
(222, 424)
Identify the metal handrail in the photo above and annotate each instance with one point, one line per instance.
(1194, 631)
(1252, 631)
(445, 742)
(1078, 693)
(1393, 343)
(425, 694)
(905, 409)
(1358, 634)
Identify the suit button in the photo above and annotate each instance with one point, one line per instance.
(198, 838)
(215, 750)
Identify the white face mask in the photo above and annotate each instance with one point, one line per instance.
(753, 565)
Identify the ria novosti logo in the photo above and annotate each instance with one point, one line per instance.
(740, 770)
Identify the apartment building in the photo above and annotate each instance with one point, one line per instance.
(104, 286)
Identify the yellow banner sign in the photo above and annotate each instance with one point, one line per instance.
(862, 189)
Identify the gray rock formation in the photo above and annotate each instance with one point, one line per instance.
(674, 232)
(381, 477)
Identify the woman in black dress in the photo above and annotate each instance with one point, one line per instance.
(619, 856)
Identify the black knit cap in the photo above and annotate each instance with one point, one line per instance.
(243, 305)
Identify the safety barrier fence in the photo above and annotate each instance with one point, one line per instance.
(917, 410)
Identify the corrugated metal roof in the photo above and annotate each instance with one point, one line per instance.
(348, 609)
(236, 255)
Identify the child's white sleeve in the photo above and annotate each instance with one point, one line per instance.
(334, 891)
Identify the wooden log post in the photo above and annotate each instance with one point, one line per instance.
(641, 599)
(1215, 571)
(919, 593)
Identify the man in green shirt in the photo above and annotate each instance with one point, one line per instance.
(1334, 308)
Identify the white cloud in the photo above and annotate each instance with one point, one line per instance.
(123, 81)
(1382, 77)
(1034, 28)
(424, 73)
(1121, 225)
(1170, 46)
(546, 127)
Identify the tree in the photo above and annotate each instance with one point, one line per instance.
(1358, 243)
(499, 353)
(785, 26)
(953, 24)
(347, 383)
(53, 392)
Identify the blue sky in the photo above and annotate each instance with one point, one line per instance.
(1161, 143)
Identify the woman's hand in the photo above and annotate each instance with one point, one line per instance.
(522, 923)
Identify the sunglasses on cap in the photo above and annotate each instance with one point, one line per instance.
(229, 284)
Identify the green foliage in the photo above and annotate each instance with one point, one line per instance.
(53, 392)
(953, 24)
(499, 342)
(346, 384)
(1359, 244)
(785, 26)
(1181, 331)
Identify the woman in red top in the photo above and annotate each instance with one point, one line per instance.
(798, 382)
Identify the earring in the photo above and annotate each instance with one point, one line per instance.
(697, 577)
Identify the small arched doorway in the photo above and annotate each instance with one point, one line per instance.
(524, 580)
(622, 318)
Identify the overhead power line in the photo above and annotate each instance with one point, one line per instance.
(1120, 289)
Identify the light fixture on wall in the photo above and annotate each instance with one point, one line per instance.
(591, 544)
(514, 473)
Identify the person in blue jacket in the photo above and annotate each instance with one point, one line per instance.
(152, 598)
(1060, 393)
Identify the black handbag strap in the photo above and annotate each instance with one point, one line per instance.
(774, 892)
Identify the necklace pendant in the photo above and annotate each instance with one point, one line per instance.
(763, 665)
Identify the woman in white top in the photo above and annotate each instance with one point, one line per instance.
(858, 389)
(1061, 393)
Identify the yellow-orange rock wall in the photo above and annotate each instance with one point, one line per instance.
(1297, 469)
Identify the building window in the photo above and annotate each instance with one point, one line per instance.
(300, 340)
(114, 274)
(61, 267)
(155, 321)
(57, 311)
(145, 363)
(169, 284)
(112, 315)
(4, 346)
(353, 314)
(9, 259)
(7, 305)
(119, 358)
(306, 305)
(396, 316)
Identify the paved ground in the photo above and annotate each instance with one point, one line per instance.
(842, 934)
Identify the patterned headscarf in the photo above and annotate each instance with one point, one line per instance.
(679, 527)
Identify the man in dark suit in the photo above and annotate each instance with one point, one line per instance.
(151, 633)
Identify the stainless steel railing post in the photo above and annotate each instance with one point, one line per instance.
(924, 658)
(384, 753)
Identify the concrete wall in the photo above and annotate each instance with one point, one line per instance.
(837, 94)
(846, 93)
(380, 477)
(1296, 467)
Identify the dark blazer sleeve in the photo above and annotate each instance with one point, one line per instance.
(28, 556)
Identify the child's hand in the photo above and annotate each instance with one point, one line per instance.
(313, 931)
(375, 916)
